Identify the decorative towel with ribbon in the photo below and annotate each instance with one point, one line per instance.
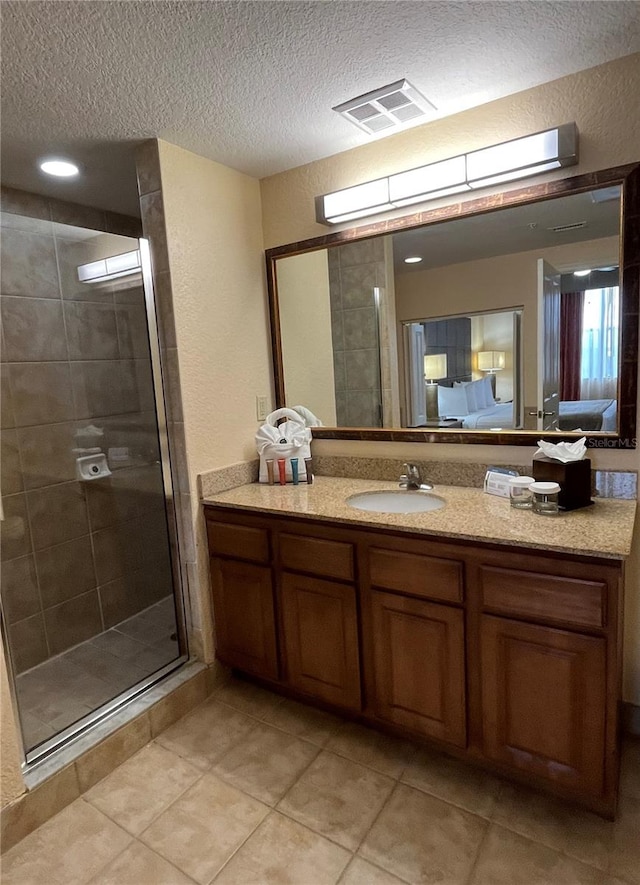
(291, 439)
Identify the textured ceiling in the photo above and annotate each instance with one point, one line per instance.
(251, 84)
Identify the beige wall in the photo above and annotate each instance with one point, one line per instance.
(305, 324)
(215, 250)
(609, 136)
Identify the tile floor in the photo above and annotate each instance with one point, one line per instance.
(63, 689)
(251, 789)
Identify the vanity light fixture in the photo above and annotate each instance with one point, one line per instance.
(110, 268)
(519, 158)
(413, 259)
(59, 168)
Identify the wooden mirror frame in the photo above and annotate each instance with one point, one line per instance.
(628, 177)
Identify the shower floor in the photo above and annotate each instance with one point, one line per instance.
(66, 688)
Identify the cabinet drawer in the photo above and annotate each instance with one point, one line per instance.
(239, 541)
(544, 597)
(332, 559)
(424, 576)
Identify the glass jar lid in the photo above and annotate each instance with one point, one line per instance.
(521, 482)
(545, 488)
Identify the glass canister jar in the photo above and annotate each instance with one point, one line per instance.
(545, 498)
(520, 493)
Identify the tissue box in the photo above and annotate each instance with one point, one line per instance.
(574, 479)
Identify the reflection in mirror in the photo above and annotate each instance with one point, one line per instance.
(533, 289)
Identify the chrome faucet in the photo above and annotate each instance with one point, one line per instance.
(412, 480)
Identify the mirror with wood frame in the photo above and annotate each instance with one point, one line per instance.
(516, 317)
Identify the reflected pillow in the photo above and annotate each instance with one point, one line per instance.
(476, 396)
(488, 390)
(452, 402)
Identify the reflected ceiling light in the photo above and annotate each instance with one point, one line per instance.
(413, 259)
(581, 273)
(110, 268)
(511, 160)
(59, 168)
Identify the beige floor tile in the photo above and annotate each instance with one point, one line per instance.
(265, 763)
(136, 792)
(630, 771)
(303, 721)
(583, 836)
(138, 865)
(625, 857)
(203, 828)
(337, 798)
(423, 840)
(248, 698)
(282, 852)
(68, 850)
(206, 733)
(386, 754)
(453, 781)
(361, 872)
(508, 859)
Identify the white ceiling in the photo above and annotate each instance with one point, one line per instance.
(251, 84)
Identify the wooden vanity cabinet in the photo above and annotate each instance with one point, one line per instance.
(509, 657)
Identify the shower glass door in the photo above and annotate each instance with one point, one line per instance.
(89, 581)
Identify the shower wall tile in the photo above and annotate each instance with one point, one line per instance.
(117, 550)
(173, 377)
(20, 596)
(7, 419)
(57, 513)
(361, 369)
(154, 228)
(11, 480)
(164, 303)
(29, 210)
(112, 501)
(78, 216)
(46, 454)
(65, 570)
(102, 387)
(29, 265)
(117, 602)
(33, 329)
(91, 331)
(41, 393)
(28, 643)
(125, 225)
(132, 331)
(71, 254)
(15, 538)
(358, 283)
(148, 167)
(138, 378)
(360, 328)
(73, 621)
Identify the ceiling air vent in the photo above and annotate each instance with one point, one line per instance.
(561, 228)
(391, 107)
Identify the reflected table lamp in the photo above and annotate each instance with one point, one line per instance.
(491, 361)
(435, 367)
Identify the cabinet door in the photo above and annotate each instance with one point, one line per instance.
(543, 695)
(321, 639)
(419, 666)
(244, 616)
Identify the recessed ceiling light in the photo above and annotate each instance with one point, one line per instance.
(59, 168)
(413, 259)
(581, 273)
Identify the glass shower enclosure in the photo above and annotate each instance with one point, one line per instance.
(90, 587)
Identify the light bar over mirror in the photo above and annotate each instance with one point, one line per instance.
(504, 162)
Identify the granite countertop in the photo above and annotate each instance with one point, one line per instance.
(605, 529)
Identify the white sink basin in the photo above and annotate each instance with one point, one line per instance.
(396, 501)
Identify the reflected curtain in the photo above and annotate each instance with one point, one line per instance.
(600, 335)
(571, 311)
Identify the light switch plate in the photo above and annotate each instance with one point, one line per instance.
(262, 407)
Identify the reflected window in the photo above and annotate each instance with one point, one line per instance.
(600, 336)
